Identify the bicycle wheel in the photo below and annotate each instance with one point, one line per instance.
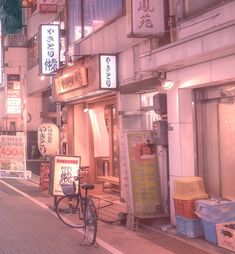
(90, 221)
(69, 211)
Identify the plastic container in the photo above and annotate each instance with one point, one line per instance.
(191, 228)
(185, 208)
(209, 229)
(213, 212)
(189, 188)
(226, 235)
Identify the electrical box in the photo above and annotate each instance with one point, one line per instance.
(160, 132)
(160, 103)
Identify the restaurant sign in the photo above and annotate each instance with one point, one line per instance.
(72, 80)
(108, 71)
(48, 139)
(146, 17)
(47, 6)
(64, 169)
(12, 154)
(50, 49)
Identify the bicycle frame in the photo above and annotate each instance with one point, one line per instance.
(80, 209)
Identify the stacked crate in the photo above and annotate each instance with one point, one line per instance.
(212, 212)
(186, 191)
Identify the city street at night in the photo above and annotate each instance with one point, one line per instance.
(117, 126)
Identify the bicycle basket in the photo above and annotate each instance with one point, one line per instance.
(68, 189)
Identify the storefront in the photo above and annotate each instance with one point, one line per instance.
(215, 108)
(89, 127)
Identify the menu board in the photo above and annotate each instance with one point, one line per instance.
(144, 174)
(63, 171)
(12, 153)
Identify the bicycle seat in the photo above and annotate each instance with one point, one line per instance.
(88, 186)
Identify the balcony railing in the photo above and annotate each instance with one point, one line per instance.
(15, 40)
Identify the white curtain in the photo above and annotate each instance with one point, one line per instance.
(100, 133)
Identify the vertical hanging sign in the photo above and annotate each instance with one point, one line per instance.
(50, 49)
(146, 17)
(108, 71)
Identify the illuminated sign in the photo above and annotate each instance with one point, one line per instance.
(47, 6)
(147, 17)
(48, 139)
(108, 72)
(50, 49)
(72, 80)
(12, 153)
(13, 105)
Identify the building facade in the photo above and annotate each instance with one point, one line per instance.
(188, 129)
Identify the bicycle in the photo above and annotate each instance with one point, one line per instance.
(78, 210)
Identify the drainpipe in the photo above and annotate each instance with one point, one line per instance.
(176, 13)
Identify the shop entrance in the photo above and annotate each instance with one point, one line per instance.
(215, 115)
(106, 147)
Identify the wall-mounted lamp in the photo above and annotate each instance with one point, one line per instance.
(166, 83)
(42, 77)
(85, 108)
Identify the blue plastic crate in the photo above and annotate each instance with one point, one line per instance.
(191, 228)
(209, 230)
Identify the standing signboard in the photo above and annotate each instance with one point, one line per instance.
(144, 174)
(12, 156)
(63, 171)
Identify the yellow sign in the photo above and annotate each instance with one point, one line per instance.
(71, 80)
(144, 174)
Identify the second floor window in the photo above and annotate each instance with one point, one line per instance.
(86, 16)
(192, 7)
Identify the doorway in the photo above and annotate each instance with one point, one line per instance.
(215, 116)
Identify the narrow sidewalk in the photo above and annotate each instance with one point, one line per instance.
(168, 240)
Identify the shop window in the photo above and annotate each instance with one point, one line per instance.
(12, 126)
(32, 146)
(86, 16)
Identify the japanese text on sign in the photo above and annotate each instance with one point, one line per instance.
(12, 153)
(147, 16)
(108, 72)
(64, 170)
(48, 139)
(49, 48)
